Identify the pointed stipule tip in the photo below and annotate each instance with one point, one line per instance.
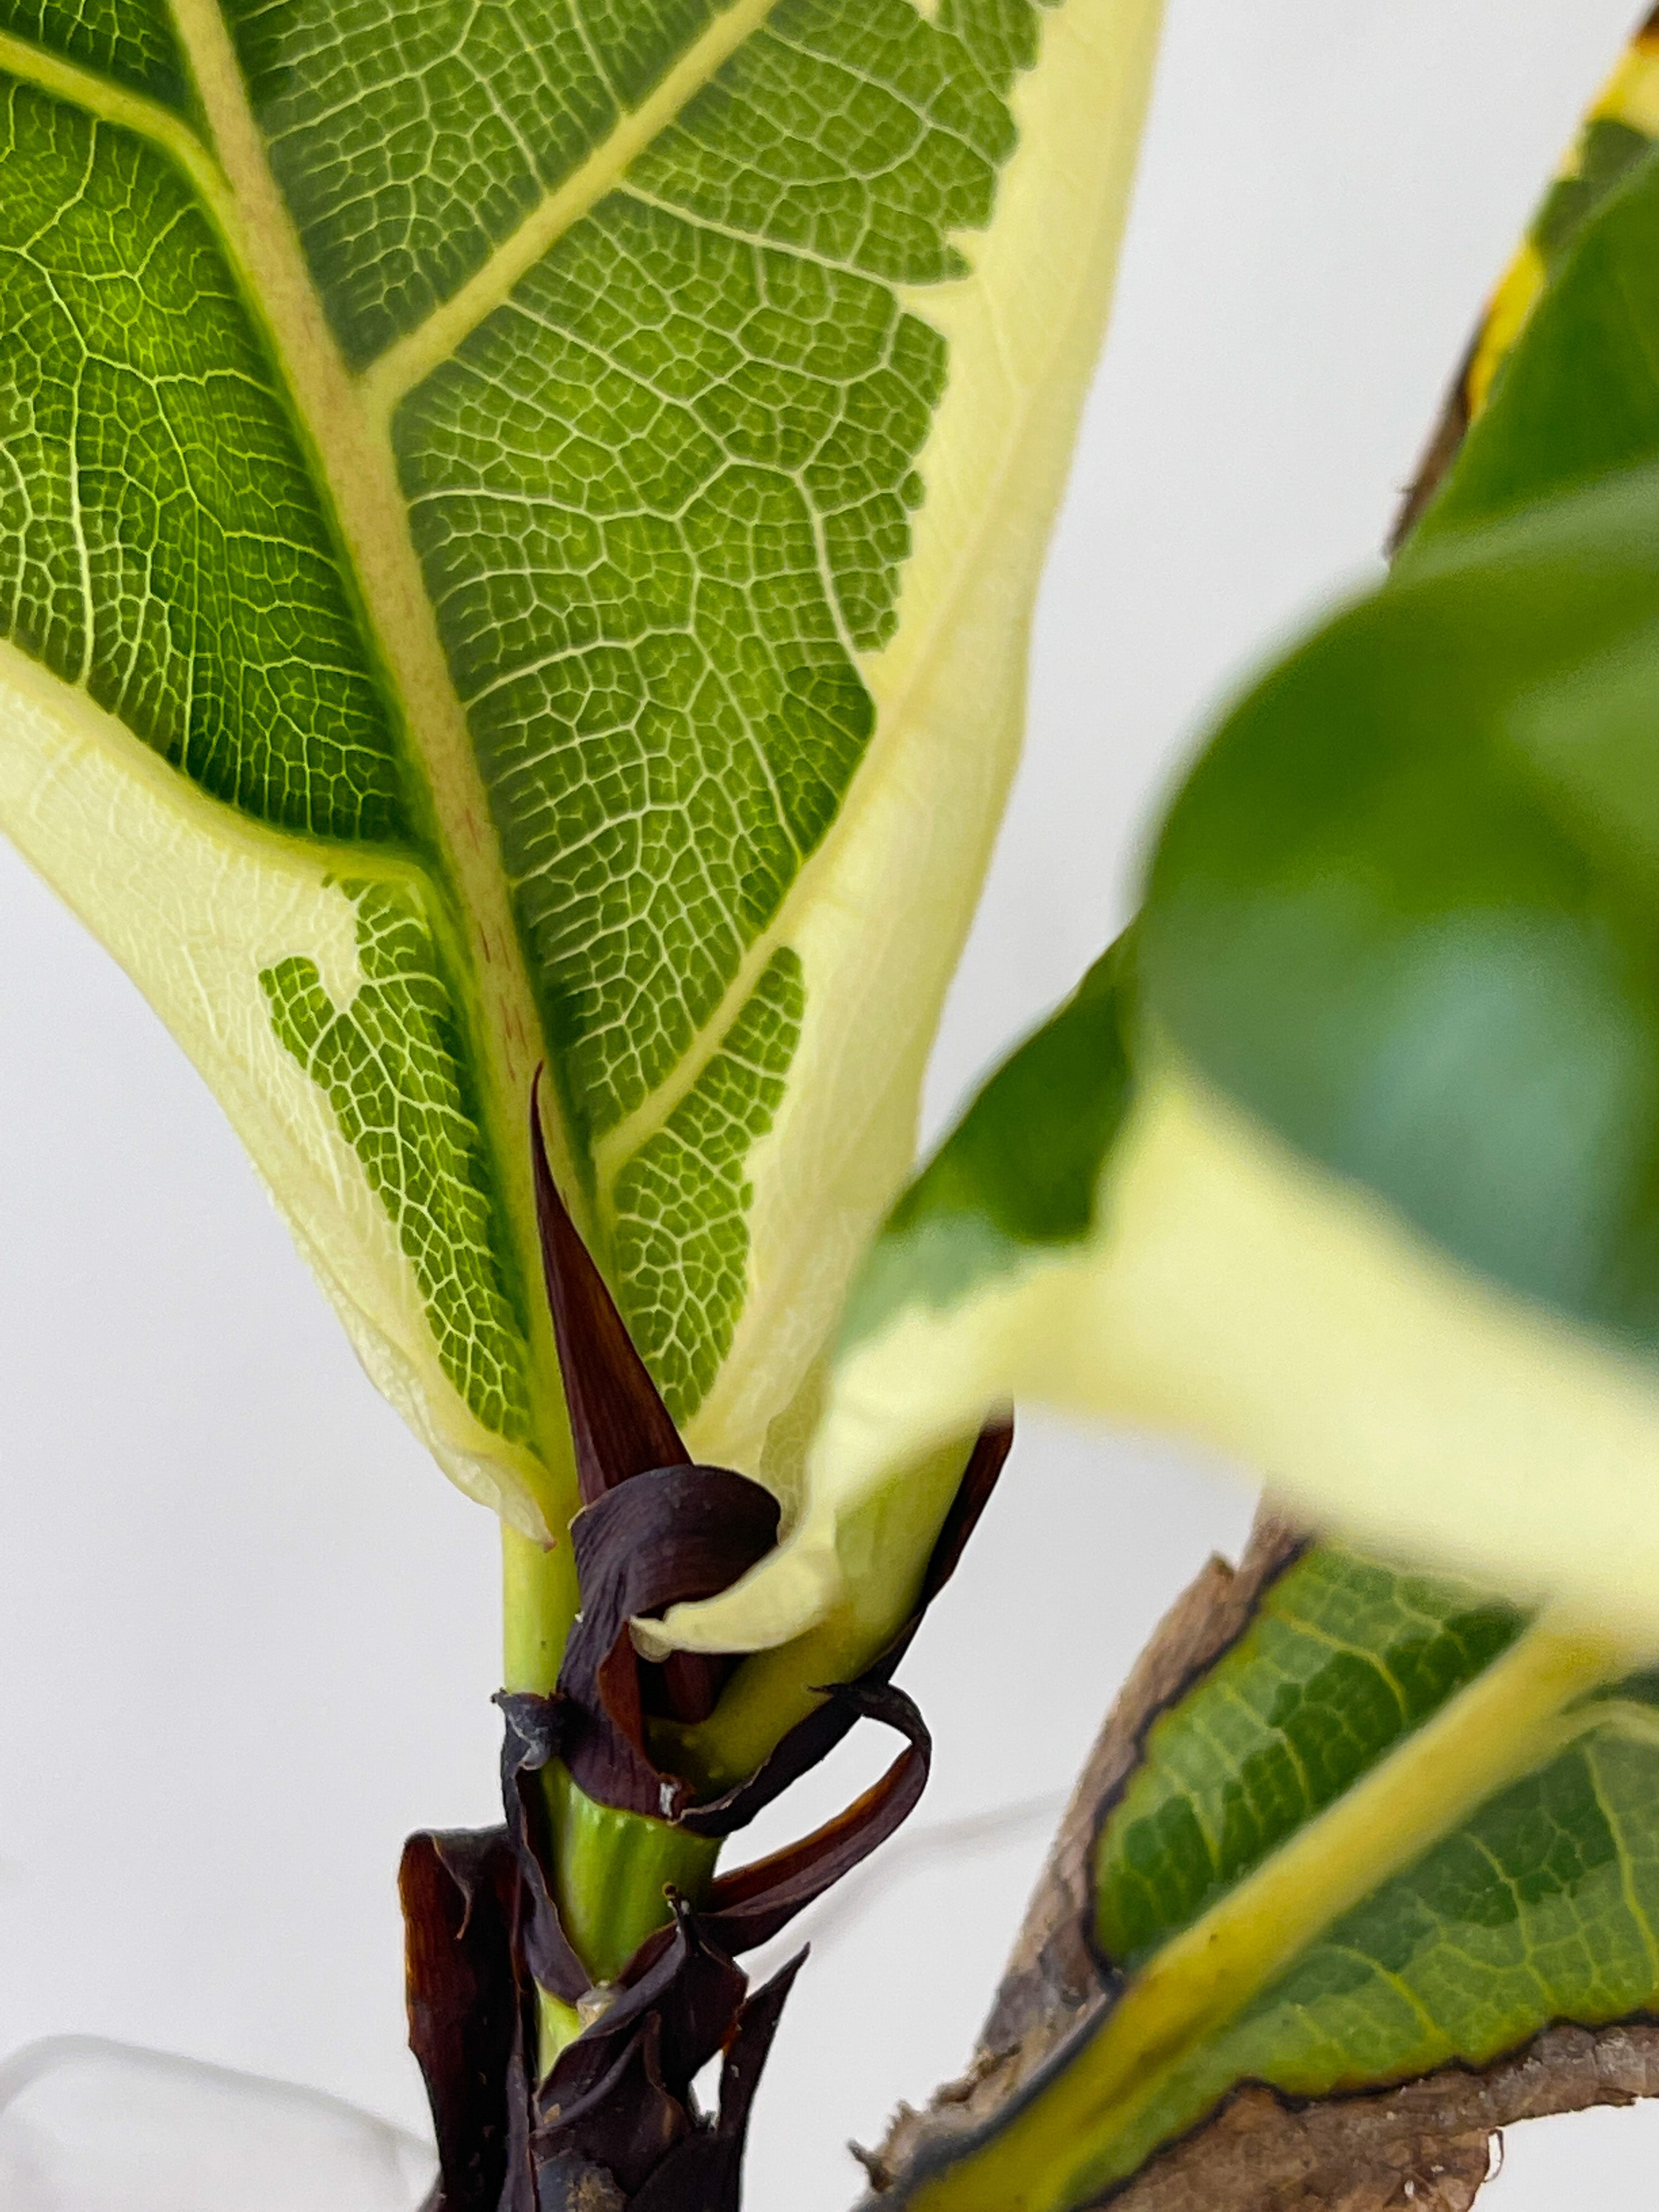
(619, 1424)
(548, 1200)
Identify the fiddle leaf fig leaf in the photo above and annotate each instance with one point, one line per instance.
(1617, 134)
(1345, 1162)
(517, 528)
(1394, 1831)
(1579, 399)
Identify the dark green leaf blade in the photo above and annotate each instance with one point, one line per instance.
(1579, 400)
(161, 540)
(1344, 1658)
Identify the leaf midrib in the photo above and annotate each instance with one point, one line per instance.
(344, 419)
(355, 475)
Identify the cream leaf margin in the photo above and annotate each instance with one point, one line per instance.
(193, 902)
(1235, 1295)
(879, 914)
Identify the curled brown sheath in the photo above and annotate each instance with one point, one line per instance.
(613, 2123)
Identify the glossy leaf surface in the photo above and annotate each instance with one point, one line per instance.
(517, 524)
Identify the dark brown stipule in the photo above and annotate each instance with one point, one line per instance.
(618, 1421)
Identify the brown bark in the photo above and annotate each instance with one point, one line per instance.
(1442, 450)
(1426, 2145)
(1052, 1984)
(1051, 1979)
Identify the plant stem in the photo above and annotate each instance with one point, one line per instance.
(538, 1605)
(883, 1546)
(610, 1871)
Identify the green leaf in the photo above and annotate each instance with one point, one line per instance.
(1409, 956)
(1392, 1829)
(1450, 1084)
(1379, 1210)
(1617, 134)
(517, 526)
(1579, 399)
(1344, 1658)
(1343, 1159)
(1017, 1181)
(132, 42)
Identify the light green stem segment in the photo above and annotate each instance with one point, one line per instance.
(611, 1871)
(611, 1876)
(539, 1605)
(1081, 2132)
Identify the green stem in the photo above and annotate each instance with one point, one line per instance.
(611, 1871)
(538, 1605)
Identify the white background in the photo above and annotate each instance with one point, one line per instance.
(246, 1632)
